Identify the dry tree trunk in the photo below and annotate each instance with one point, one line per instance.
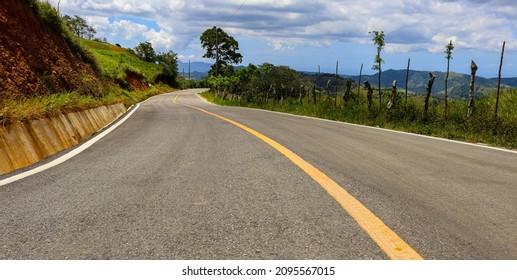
(369, 95)
(499, 83)
(393, 95)
(407, 80)
(337, 83)
(302, 94)
(348, 88)
(328, 91)
(428, 95)
(314, 93)
(473, 69)
(319, 78)
(359, 82)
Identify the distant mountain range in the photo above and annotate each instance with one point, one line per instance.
(198, 70)
(458, 85)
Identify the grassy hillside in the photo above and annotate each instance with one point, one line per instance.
(43, 76)
(114, 61)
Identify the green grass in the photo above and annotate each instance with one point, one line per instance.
(480, 128)
(22, 110)
(114, 61)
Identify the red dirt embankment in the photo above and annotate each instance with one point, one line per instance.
(34, 60)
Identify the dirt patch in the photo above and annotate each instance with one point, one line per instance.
(117, 49)
(135, 82)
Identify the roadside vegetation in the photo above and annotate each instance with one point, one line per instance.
(480, 128)
(280, 88)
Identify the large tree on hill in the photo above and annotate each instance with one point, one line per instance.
(221, 47)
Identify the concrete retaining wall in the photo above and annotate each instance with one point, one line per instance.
(24, 144)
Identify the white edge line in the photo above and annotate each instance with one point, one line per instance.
(70, 154)
(372, 127)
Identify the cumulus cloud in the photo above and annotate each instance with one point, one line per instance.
(410, 25)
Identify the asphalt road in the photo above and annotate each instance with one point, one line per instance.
(173, 182)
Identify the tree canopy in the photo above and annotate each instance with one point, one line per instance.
(221, 47)
(146, 52)
(79, 27)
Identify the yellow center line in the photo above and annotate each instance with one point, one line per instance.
(175, 98)
(386, 239)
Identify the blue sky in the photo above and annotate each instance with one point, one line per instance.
(305, 34)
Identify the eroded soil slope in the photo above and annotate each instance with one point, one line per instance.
(34, 60)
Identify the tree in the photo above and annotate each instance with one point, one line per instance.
(378, 41)
(448, 55)
(169, 61)
(221, 47)
(79, 27)
(146, 52)
(90, 33)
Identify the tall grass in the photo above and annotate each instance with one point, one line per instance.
(479, 128)
(19, 110)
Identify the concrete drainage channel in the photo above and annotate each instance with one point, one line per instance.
(23, 144)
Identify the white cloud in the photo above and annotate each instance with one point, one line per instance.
(127, 29)
(161, 40)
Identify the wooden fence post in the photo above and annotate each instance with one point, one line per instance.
(346, 95)
(428, 95)
(499, 84)
(473, 69)
(407, 80)
(369, 95)
(393, 99)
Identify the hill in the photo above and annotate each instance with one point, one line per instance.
(35, 58)
(45, 70)
(123, 66)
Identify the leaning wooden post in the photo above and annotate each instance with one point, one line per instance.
(428, 95)
(318, 82)
(337, 83)
(473, 69)
(346, 95)
(369, 95)
(314, 93)
(499, 83)
(328, 91)
(407, 80)
(393, 95)
(302, 87)
(359, 82)
(448, 52)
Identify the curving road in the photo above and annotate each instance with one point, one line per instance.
(174, 182)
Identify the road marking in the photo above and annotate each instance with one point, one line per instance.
(386, 239)
(70, 154)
